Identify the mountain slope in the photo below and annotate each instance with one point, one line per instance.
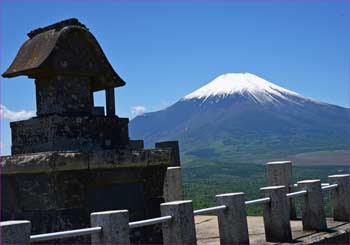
(244, 117)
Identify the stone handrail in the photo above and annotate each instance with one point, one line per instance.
(65, 234)
(177, 217)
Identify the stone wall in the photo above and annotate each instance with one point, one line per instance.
(63, 133)
(64, 95)
(57, 191)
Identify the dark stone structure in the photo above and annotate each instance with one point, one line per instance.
(68, 66)
(72, 159)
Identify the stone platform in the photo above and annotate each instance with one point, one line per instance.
(57, 191)
(339, 232)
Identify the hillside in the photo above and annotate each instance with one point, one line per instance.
(241, 117)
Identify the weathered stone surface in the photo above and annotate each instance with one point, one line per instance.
(75, 194)
(63, 94)
(312, 207)
(160, 156)
(75, 183)
(36, 193)
(181, 229)
(55, 184)
(66, 47)
(15, 232)
(175, 152)
(280, 173)
(341, 197)
(115, 227)
(110, 102)
(276, 214)
(31, 163)
(172, 189)
(71, 161)
(233, 227)
(46, 162)
(69, 133)
(129, 158)
(103, 159)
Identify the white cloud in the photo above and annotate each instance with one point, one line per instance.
(6, 113)
(163, 105)
(138, 110)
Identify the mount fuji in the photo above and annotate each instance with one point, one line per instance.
(243, 117)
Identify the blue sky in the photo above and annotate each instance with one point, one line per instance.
(166, 49)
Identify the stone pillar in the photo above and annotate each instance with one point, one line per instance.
(280, 173)
(110, 102)
(172, 188)
(233, 227)
(181, 229)
(312, 212)
(340, 197)
(63, 94)
(15, 232)
(175, 152)
(115, 227)
(276, 214)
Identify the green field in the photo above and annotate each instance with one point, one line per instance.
(326, 158)
(203, 179)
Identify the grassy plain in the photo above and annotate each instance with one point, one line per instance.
(203, 179)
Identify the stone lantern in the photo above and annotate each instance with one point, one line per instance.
(73, 158)
(68, 66)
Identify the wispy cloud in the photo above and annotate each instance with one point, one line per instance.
(163, 105)
(6, 113)
(138, 110)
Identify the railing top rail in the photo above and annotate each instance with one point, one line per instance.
(328, 187)
(152, 221)
(296, 185)
(65, 234)
(209, 210)
(258, 201)
(296, 194)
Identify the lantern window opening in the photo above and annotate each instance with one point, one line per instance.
(99, 103)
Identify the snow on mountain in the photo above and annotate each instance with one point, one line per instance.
(239, 116)
(258, 89)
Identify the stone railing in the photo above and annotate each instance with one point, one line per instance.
(177, 217)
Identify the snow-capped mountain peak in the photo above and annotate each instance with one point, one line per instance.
(247, 84)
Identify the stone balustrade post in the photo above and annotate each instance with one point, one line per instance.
(233, 227)
(175, 151)
(312, 211)
(280, 173)
(172, 189)
(15, 232)
(115, 227)
(110, 102)
(181, 228)
(340, 197)
(276, 214)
